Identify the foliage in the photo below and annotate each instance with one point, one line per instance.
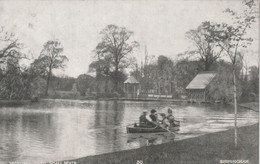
(149, 75)
(50, 58)
(15, 84)
(85, 83)
(156, 76)
(165, 74)
(254, 80)
(221, 88)
(62, 83)
(103, 85)
(184, 72)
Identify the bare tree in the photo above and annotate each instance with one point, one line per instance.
(9, 46)
(206, 46)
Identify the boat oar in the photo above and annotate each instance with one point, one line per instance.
(167, 130)
(164, 128)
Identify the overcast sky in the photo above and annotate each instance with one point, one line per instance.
(161, 25)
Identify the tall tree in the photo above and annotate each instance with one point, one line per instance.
(116, 45)
(233, 37)
(165, 74)
(203, 39)
(51, 58)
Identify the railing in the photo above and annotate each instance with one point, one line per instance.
(159, 96)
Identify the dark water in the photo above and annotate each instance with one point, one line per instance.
(66, 129)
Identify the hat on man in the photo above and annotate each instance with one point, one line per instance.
(169, 110)
(153, 111)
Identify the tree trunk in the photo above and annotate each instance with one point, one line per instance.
(207, 65)
(48, 82)
(116, 74)
(106, 84)
(116, 85)
(11, 94)
(235, 106)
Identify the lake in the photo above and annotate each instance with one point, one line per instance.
(67, 129)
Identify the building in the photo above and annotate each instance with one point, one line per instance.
(131, 87)
(198, 87)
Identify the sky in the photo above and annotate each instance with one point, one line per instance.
(159, 25)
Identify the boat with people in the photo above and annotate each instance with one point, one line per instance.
(152, 124)
(136, 128)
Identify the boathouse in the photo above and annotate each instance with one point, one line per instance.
(131, 87)
(197, 89)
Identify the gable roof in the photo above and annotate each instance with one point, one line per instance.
(131, 80)
(201, 80)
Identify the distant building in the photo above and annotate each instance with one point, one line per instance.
(198, 87)
(131, 87)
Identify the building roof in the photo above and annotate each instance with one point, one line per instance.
(201, 80)
(131, 80)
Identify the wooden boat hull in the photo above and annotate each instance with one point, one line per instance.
(158, 129)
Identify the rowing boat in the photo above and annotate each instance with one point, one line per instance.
(136, 128)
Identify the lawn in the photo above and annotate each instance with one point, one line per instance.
(208, 149)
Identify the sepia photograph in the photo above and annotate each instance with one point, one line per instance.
(129, 81)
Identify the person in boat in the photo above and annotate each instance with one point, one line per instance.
(170, 117)
(165, 121)
(152, 119)
(142, 119)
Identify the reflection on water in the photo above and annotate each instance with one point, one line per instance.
(66, 129)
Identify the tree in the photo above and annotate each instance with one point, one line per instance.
(101, 67)
(233, 37)
(149, 75)
(63, 82)
(12, 83)
(50, 58)
(84, 82)
(254, 79)
(136, 70)
(184, 71)
(221, 87)
(116, 45)
(147, 70)
(165, 74)
(206, 46)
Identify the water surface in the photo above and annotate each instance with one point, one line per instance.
(68, 129)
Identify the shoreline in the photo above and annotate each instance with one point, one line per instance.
(208, 148)
(15, 102)
(251, 106)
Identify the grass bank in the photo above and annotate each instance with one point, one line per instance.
(206, 149)
(14, 102)
(251, 105)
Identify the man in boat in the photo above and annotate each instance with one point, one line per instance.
(170, 117)
(165, 121)
(152, 119)
(142, 119)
